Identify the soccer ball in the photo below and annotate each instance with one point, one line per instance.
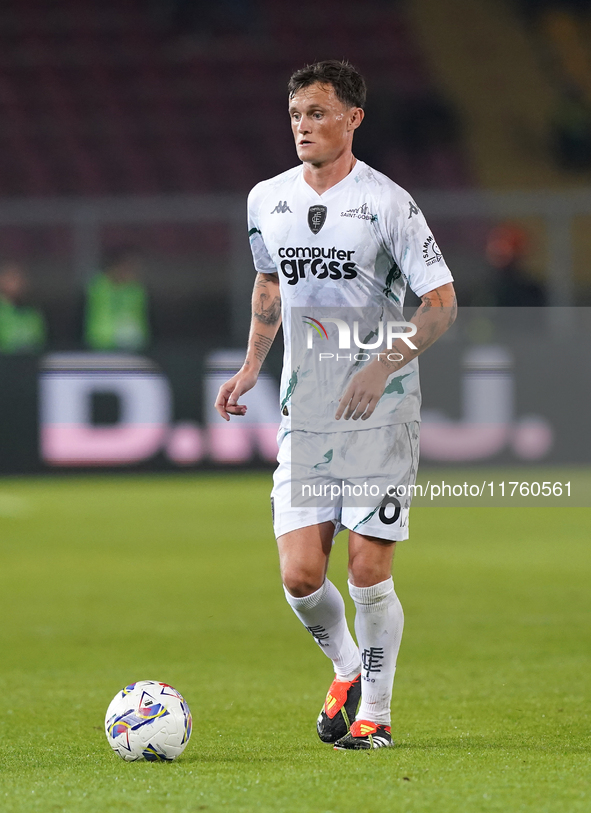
(148, 719)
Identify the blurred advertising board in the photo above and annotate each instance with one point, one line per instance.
(500, 388)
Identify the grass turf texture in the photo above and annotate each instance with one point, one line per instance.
(107, 581)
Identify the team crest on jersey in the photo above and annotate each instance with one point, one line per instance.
(316, 217)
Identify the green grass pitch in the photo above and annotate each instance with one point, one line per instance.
(105, 581)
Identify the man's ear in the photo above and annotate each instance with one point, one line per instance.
(355, 118)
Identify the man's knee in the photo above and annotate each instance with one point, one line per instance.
(301, 582)
(366, 575)
(303, 558)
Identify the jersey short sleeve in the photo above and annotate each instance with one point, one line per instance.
(262, 259)
(412, 245)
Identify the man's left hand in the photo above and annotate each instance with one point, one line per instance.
(363, 393)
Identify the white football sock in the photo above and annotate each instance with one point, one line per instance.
(323, 615)
(378, 626)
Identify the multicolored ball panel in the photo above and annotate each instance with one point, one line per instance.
(148, 720)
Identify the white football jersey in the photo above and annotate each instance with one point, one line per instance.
(349, 251)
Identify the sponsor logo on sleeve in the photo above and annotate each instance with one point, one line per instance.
(431, 252)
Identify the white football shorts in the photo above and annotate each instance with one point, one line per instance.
(362, 480)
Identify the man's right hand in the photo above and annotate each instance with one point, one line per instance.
(227, 401)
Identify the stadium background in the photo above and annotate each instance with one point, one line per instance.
(144, 124)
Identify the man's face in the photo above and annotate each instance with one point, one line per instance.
(322, 125)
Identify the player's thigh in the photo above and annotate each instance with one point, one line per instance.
(303, 557)
(297, 482)
(384, 491)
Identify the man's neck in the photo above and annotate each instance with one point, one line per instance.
(321, 178)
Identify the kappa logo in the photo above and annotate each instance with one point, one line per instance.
(281, 208)
(361, 213)
(413, 209)
(431, 251)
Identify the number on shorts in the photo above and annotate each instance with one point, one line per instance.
(388, 500)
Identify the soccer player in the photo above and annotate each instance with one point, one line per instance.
(335, 233)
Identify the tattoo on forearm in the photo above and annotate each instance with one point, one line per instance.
(267, 310)
(261, 345)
